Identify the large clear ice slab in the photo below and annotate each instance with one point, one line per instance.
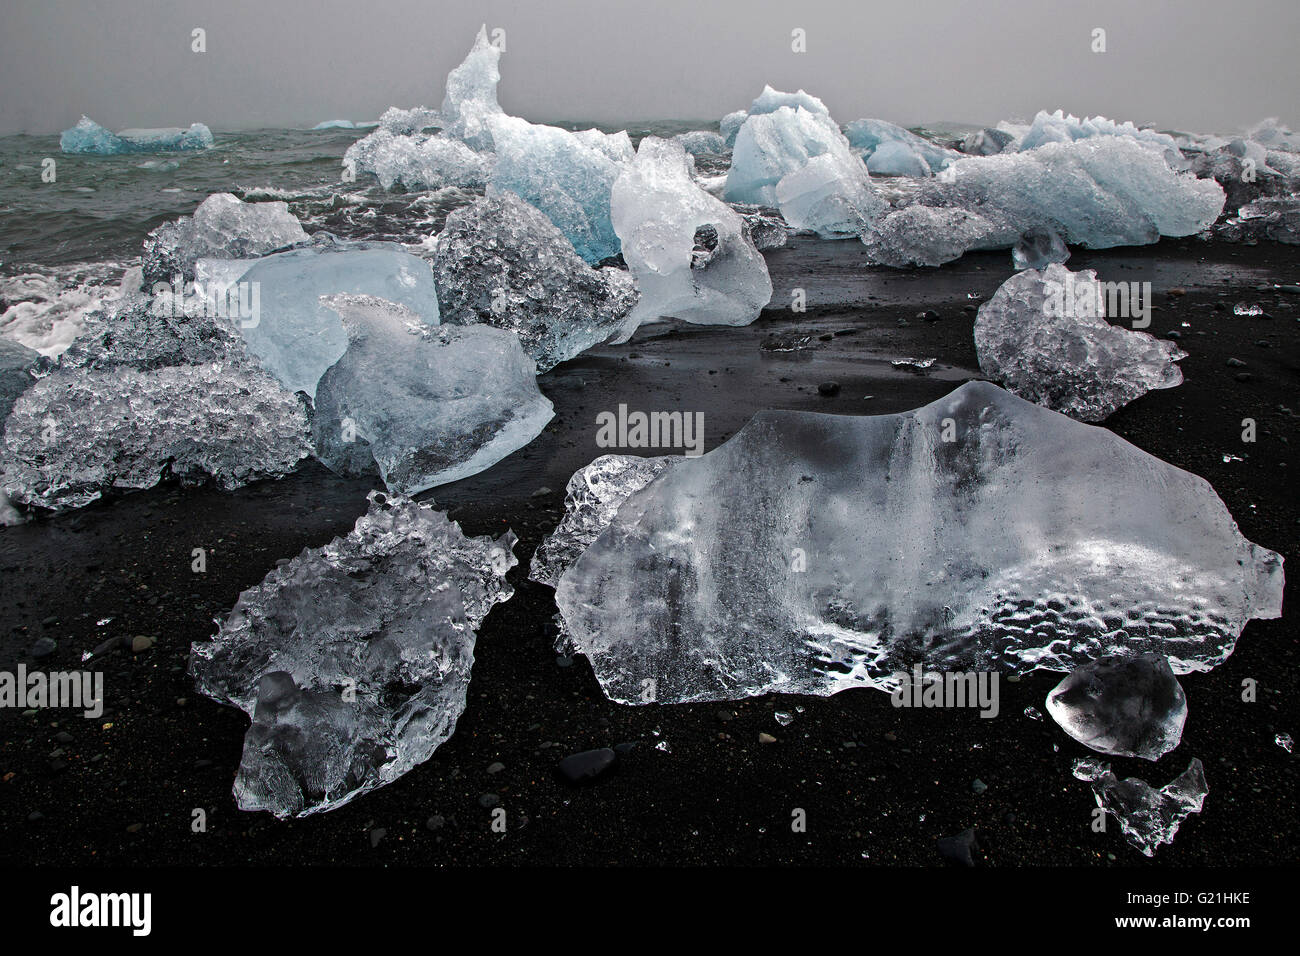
(417, 161)
(811, 553)
(222, 227)
(89, 137)
(894, 151)
(1149, 817)
(470, 99)
(592, 498)
(295, 336)
(658, 209)
(430, 404)
(353, 660)
(501, 262)
(829, 195)
(1123, 706)
(1044, 336)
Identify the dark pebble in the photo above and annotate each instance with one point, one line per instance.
(828, 388)
(586, 766)
(956, 850)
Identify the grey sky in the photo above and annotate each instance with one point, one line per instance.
(1202, 65)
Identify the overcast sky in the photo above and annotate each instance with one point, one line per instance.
(1199, 65)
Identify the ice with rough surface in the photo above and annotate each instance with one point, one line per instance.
(89, 137)
(430, 404)
(987, 142)
(593, 496)
(1150, 817)
(417, 161)
(353, 660)
(730, 125)
(829, 195)
(222, 227)
(146, 333)
(894, 151)
(657, 211)
(16, 363)
(471, 95)
(931, 235)
(1039, 248)
(1044, 336)
(295, 336)
(783, 561)
(501, 262)
(1060, 127)
(1123, 706)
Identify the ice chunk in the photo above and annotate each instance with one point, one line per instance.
(701, 142)
(335, 124)
(16, 363)
(565, 176)
(829, 195)
(1273, 135)
(353, 659)
(775, 141)
(594, 495)
(1039, 248)
(987, 142)
(784, 561)
(295, 336)
(894, 151)
(417, 161)
(501, 262)
(153, 333)
(405, 122)
(80, 432)
(89, 137)
(1060, 127)
(433, 404)
(1276, 218)
(1045, 337)
(931, 235)
(1150, 817)
(222, 227)
(1124, 706)
(657, 211)
(730, 125)
(471, 95)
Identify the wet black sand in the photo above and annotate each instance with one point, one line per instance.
(879, 785)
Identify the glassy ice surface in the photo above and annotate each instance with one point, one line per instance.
(222, 227)
(594, 494)
(430, 404)
(501, 262)
(1045, 337)
(294, 335)
(471, 95)
(894, 151)
(353, 659)
(1123, 706)
(829, 195)
(931, 235)
(784, 561)
(657, 211)
(1150, 817)
(417, 160)
(89, 137)
(1039, 248)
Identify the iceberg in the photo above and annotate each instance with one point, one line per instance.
(470, 100)
(657, 211)
(1060, 127)
(88, 137)
(781, 132)
(1124, 706)
(894, 151)
(783, 561)
(1045, 337)
(353, 660)
(416, 161)
(730, 125)
(335, 124)
(222, 227)
(501, 262)
(1149, 817)
(431, 404)
(294, 335)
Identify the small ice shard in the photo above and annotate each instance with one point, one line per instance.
(930, 236)
(986, 142)
(1039, 248)
(470, 100)
(16, 364)
(1045, 337)
(1060, 127)
(894, 151)
(89, 137)
(417, 161)
(782, 561)
(80, 432)
(1285, 742)
(565, 175)
(501, 262)
(916, 363)
(295, 336)
(431, 404)
(1123, 706)
(1150, 817)
(658, 211)
(1247, 308)
(594, 494)
(1090, 768)
(353, 660)
(222, 227)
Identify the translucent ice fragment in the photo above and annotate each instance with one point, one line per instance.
(1039, 248)
(1124, 706)
(471, 95)
(89, 137)
(1150, 817)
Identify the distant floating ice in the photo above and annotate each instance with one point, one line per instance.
(1123, 706)
(89, 137)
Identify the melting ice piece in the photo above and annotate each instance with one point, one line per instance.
(1060, 127)
(1045, 337)
(931, 235)
(89, 137)
(894, 151)
(829, 195)
(594, 494)
(471, 95)
(987, 142)
(417, 161)
(1090, 768)
(406, 122)
(433, 404)
(730, 125)
(222, 227)
(79, 432)
(657, 211)
(16, 363)
(153, 333)
(699, 142)
(782, 561)
(1150, 817)
(501, 262)
(295, 336)
(353, 659)
(1124, 706)
(565, 175)
(1039, 248)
